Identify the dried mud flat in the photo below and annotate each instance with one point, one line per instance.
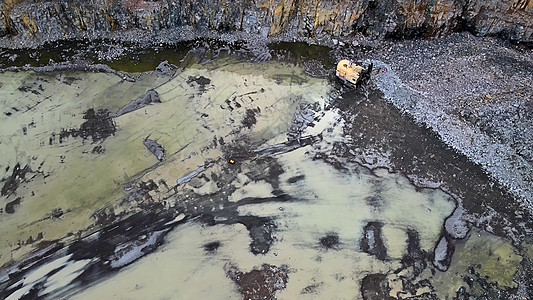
(247, 179)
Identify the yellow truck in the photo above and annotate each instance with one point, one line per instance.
(352, 73)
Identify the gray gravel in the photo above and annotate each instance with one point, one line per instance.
(475, 93)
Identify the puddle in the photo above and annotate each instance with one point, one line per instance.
(328, 201)
(221, 178)
(81, 176)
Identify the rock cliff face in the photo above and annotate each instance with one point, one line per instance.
(35, 21)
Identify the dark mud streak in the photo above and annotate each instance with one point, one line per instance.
(12, 182)
(249, 119)
(268, 169)
(261, 230)
(212, 246)
(260, 283)
(372, 241)
(101, 248)
(415, 257)
(99, 125)
(311, 289)
(375, 201)
(282, 197)
(24, 268)
(375, 287)
(331, 160)
(10, 206)
(98, 149)
(295, 179)
(201, 81)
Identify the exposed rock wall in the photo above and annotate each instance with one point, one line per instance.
(25, 20)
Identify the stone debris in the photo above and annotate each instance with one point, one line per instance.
(372, 241)
(260, 283)
(495, 156)
(155, 148)
(149, 98)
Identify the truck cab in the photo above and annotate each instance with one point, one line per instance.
(349, 72)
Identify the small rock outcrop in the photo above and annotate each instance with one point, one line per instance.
(372, 241)
(149, 98)
(443, 253)
(155, 148)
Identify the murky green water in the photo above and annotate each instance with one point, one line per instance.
(121, 57)
(208, 114)
(69, 176)
(330, 201)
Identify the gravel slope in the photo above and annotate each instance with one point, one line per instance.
(475, 93)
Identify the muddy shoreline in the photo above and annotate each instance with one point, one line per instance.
(401, 62)
(495, 113)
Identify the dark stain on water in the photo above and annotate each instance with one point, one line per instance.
(330, 241)
(127, 57)
(120, 56)
(212, 246)
(143, 60)
(260, 283)
(12, 182)
(53, 52)
(132, 57)
(99, 125)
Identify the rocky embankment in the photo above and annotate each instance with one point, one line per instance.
(30, 23)
(475, 94)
